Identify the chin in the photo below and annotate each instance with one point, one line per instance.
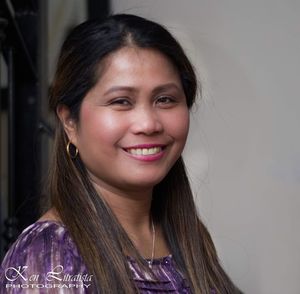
(144, 183)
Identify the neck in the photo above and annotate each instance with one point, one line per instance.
(132, 208)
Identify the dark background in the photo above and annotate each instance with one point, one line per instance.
(25, 124)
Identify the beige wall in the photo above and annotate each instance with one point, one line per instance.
(244, 149)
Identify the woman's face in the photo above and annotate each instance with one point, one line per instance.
(134, 123)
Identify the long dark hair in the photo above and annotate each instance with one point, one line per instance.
(94, 228)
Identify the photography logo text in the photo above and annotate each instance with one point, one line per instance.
(19, 277)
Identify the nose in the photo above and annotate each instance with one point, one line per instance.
(146, 121)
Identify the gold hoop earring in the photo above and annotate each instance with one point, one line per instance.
(73, 156)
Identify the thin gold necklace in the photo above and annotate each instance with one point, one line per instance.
(150, 262)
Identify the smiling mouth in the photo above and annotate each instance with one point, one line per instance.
(144, 151)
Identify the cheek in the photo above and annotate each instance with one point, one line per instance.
(178, 125)
(99, 125)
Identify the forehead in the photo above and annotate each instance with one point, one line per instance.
(133, 65)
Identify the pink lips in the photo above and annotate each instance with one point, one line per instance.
(148, 157)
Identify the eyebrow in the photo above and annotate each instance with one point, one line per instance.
(157, 89)
(120, 88)
(165, 87)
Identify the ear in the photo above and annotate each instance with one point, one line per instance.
(69, 124)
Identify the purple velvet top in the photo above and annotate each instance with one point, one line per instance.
(44, 259)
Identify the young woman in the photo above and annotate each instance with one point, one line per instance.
(122, 216)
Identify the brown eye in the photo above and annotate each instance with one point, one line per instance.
(165, 100)
(121, 102)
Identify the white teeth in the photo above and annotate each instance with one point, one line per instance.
(144, 151)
